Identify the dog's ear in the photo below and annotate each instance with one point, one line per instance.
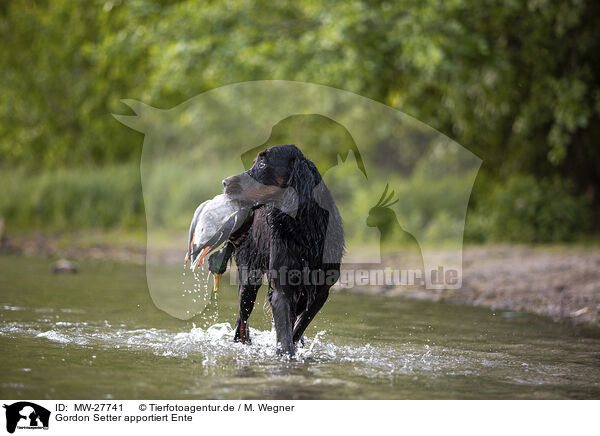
(303, 178)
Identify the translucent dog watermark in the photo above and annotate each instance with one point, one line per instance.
(401, 187)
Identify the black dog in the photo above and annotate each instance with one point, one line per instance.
(294, 235)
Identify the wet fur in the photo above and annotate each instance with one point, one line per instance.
(290, 240)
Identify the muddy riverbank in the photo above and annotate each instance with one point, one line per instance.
(562, 282)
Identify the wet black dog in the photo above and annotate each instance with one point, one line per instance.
(294, 235)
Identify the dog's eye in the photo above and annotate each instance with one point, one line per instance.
(261, 165)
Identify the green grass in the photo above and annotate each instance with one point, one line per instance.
(70, 199)
(88, 202)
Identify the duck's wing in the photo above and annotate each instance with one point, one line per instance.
(194, 223)
(222, 235)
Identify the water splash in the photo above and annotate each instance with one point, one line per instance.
(198, 293)
(213, 346)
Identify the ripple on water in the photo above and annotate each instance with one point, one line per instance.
(214, 346)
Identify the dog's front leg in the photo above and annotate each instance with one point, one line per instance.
(281, 305)
(247, 297)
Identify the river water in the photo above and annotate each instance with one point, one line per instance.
(98, 335)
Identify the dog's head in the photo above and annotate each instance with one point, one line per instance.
(277, 174)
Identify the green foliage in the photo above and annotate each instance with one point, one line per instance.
(73, 199)
(523, 209)
(515, 82)
(491, 74)
(527, 210)
(106, 197)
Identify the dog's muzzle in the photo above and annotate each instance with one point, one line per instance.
(244, 187)
(232, 185)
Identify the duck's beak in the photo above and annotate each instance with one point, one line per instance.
(217, 279)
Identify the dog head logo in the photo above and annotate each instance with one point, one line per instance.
(358, 145)
(26, 415)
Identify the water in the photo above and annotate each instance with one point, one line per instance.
(98, 335)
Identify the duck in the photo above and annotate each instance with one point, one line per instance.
(213, 223)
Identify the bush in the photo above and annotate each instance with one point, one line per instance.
(106, 197)
(528, 210)
(71, 199)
